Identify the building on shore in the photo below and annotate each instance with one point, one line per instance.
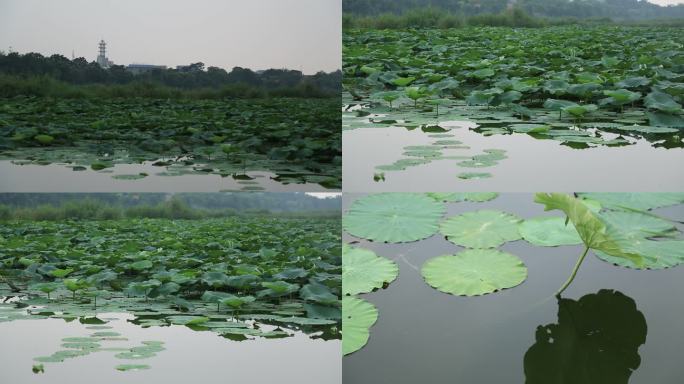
(137, 69)
(102, 59)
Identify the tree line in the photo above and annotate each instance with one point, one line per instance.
(210, 202)
(25, 72)
(579, 9)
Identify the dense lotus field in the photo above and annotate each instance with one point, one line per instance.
(618, 228)
(582, 87)
(297, 139)
(239, 277)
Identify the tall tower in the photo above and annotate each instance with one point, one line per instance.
(102, 57)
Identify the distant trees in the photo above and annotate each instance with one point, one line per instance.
(193, 76)
(580, 9)
(61, 206)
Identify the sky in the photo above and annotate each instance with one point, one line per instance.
(666, 2)
(258, 34)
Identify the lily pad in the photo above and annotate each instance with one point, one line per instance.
(131, 367)
(549, 232)
(393, 217)
(474, 272)
(478, 197)
(474, 175)
(481, 229)
(363, 271)
(357, 317)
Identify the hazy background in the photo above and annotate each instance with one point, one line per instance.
(666, 2)
(258, 34)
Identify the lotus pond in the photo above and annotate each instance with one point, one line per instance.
(472, 108)
(108, 299)
(487, 288)
(272, 144)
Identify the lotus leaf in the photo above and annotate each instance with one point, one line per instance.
(363, 271)
(357, 317)
(481, 229)
(393, 217)
(474, 272)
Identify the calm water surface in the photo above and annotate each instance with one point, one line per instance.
(532, 164)
(189, 357)
(426, 336)
(59, 178)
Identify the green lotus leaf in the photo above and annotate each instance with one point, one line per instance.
(357, 317)
(393, 217)
(592, 230)
(474, 272)
(549, 232)
(639, 201)
(363, 271)
(131, 367)
(530, 128)
(236, 301)
(478, 197)
(647, 129)
(637, 224)
(305, 321)
(481, 229)
(658, 254)
(318, 293)
(474, 175)
(662, 102)
(660, 119)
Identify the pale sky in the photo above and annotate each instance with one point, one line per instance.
(258, 34)
(666, 2)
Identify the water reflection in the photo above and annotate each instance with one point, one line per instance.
(596, 340)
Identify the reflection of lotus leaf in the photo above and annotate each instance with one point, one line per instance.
(481, 229)
(474, 272)
(357, 317)
(596, 341)
(393, 217)
(363, 271)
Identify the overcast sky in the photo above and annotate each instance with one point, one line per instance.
(666, 2)
(257, 34)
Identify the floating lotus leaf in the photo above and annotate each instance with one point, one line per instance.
(393, 217)
(549, 232)
(640, 201)
(463, 196)
(482, 163)
(305, 321)
(481, 229)
(363, 271)
(529, 128)
(647, 129)
(357, 317)
(474, 175)
(131, 367)
(474, 272)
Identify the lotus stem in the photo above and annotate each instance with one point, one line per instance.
(574, 272)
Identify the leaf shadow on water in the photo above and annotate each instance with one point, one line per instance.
(596, 340)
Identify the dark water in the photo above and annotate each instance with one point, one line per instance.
(532, 164)
(189, 357)
(426, 336)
